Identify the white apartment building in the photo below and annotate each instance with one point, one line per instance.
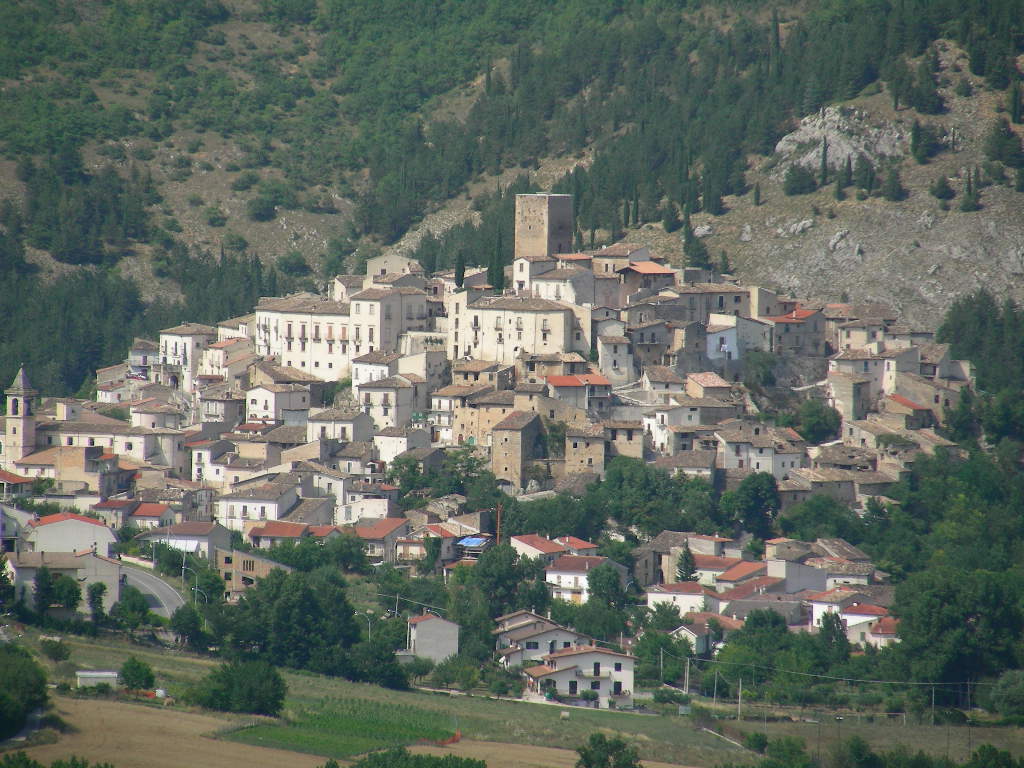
(379, 316)
(180, 349)
(307, 332)
(500, 328)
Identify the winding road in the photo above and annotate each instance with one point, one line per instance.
(163, 599)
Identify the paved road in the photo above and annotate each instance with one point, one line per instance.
(161, 596)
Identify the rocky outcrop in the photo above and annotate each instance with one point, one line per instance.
(850, 132)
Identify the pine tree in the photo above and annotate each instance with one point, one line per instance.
(694, 248)
(757, 194)
(848, 172)
(837, 191)
(941, 190)
(686, 566)
(724, 267)
(915, 141)
(823, 168)
(892, 188)
(1016, 108)
(969, 201)
(460, 268)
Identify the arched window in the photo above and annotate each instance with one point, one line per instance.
(15, 404)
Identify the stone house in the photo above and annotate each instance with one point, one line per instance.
(514, 444)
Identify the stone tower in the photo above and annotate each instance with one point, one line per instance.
(20, 423)
(544, 225)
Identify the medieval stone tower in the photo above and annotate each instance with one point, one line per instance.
(544, 225)
(20, 423)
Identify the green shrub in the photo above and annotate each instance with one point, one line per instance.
(55, 650)
(260, 209)
(756, 741)
(136, 675)
(798, 181)
(243, 686)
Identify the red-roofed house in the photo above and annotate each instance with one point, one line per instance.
(272, 532)
(115, 512)
(12, 485)
(536, 546)
(589, 391)
(576, 546)
(801, 331)
(572, 670)
(884, 632)
(381, 536)
(430, 637)
(710, 567)
(740, 573)
(68, 532)
(644, 277)
(151, 514)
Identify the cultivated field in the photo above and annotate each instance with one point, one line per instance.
(135, 736)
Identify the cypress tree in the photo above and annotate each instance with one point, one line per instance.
(1015, 104)
(1019, 180)
(837, 192)
(636, 207)
(625, 213)
(686, 567)
(848, 172)
(757, 194)
(460, 269)
(823, 169)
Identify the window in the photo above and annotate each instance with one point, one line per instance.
(248, 565)
(227, 560)
(128, 446)
(596, 685)
(532, 645)
(618, 666)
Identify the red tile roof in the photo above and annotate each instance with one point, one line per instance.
(61, 517)
(576, 563)
(752, 587)
(440, 531)
(379, 528)
(726, 622)
(319, 531)
(575, 651)
(866, 609)
(459, 563)
(745, 570)
(907, 403)
(713, 563)
(796, 316)
(887, 625)
(647, 268)
(571, 542)
(151, 509)
(680, 588)
(115, 504)
(539, 543)
(565, 381)
(424, 617)
(594, 379)
(13, 479)
(280, 529)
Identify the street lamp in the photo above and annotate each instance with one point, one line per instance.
(369, 616)
(186, 568)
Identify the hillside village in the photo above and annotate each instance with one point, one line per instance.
(299, 420)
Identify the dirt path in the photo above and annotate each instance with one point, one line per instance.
(500, 755)
(133, 736)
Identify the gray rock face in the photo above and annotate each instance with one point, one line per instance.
(837, 238)
(850, 132)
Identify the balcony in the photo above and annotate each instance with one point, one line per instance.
(602, 675)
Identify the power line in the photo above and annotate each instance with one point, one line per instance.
(826, 677)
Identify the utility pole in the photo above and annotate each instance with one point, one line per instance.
(686, 683)
(739, 704)
(715, 700)
(497, 534)
(933, 705)
(661, 665)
